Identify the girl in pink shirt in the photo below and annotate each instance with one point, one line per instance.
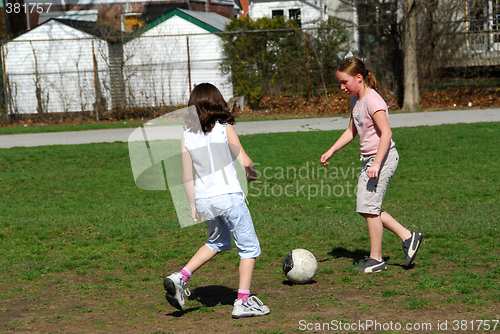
(369, 119)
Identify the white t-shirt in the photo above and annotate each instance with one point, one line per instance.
(362, 112)
(213, 161)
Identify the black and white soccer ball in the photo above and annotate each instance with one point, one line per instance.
(300, 266)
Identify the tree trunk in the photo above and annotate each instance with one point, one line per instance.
(411, 91)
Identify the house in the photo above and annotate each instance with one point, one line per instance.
(127, 15)
(477, 22)
(63, 66)
(83, 66)
(482, 24)
(168, 57)
(305, 12)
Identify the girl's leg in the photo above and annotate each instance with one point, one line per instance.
(202, 256)
(246, 273)
(175, 284)
(376, 232)
(246, 306)
(392, 225)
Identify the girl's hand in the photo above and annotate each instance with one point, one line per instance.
(195, 215)
(251, 173)
(372, 172)
(251, 178)
(327, 155)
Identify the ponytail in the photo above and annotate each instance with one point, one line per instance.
(370, 80)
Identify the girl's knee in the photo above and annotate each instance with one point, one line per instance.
(368, 215)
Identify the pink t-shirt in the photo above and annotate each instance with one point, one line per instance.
(362, 112)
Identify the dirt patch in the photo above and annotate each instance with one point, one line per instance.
(336, 301)
(339, 302)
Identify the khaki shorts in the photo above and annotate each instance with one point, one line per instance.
(371, 192)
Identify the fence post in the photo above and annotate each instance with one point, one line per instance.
(3, 85)
(308, 70)
(189, 64)
(96, 83)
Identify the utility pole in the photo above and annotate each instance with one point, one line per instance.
(6, 17)
(2, 68)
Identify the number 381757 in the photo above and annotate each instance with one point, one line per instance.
(17, 8)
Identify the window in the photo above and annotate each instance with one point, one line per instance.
(495, 8)
(495, 20)
(478, 18)
(131, 22)
(484, 15)
(294, 14)
(484, 21)
(277, 12)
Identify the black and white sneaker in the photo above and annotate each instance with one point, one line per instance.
(176, 288)
(411, 246)
(371, 266)
(253, 307)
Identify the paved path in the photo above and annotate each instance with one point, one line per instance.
(245, 128)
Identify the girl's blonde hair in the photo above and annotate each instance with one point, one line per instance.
(354, 66)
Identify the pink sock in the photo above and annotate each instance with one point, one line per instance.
(186, 274)
(243, 295)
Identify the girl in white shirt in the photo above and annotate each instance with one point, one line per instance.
(209, 145)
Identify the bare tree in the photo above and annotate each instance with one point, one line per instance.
(411, 87)
(42, 101)
(440, 38)
(406, 43)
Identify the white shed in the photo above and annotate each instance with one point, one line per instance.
(59, 66)
(165, 60)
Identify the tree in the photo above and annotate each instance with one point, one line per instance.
(268, 57)
(255, 57)
(439, 36)
(325, 45)
(384, 28)
(411, 87)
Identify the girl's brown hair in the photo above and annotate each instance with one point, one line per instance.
(354, 66)
(210, 107)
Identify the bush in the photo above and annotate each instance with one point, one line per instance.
(268, 57)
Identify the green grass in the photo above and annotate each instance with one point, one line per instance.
(61, 128)
(9, 130)
(72, 219)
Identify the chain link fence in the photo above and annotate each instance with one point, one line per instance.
(143, 75)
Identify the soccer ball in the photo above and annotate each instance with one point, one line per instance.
(300, 266)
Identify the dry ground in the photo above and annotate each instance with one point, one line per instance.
(45, 307)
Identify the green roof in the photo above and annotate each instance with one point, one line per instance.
(211, 22)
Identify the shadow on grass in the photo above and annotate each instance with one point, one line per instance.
(356, 256)
(209, 296)
(212, 295)
(411, 266)
(359, 255)
(290, 283)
